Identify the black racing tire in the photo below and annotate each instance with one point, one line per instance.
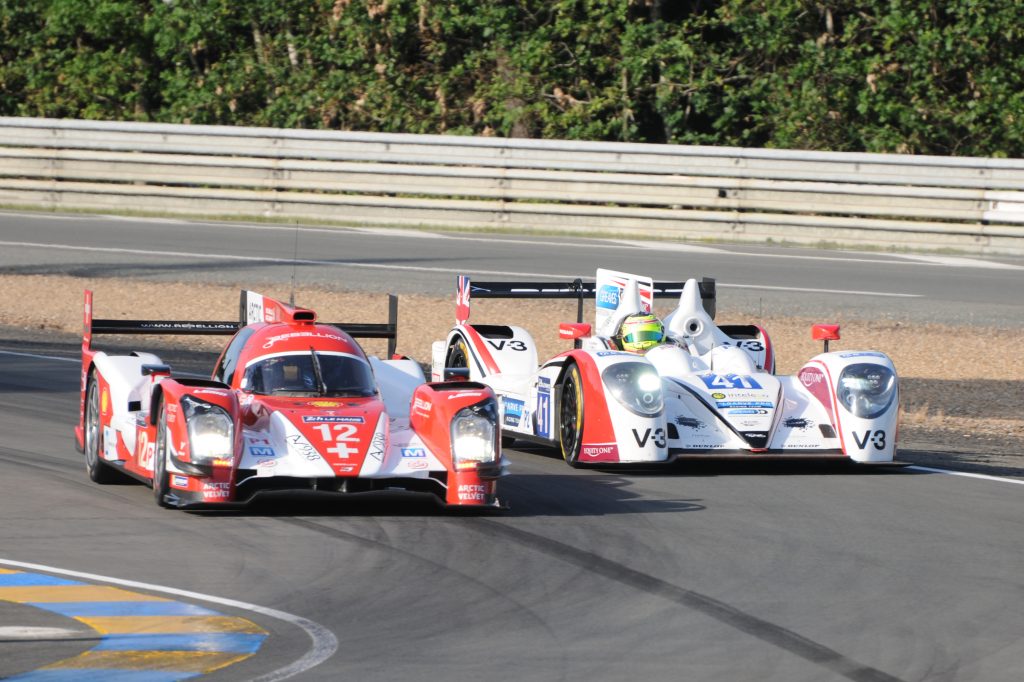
(98, 470)
(570, 413)
(160, 479)
(458, 354)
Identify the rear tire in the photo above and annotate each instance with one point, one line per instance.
(570, 412)
(160, 485)
(98, 470)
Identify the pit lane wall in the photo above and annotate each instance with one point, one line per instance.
(969, 205)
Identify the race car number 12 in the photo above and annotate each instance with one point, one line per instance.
(346, 433)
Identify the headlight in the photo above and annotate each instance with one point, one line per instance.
(211, 433)
(474, 435)
(866, 389)
(636, 385)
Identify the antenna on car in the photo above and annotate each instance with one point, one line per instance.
(295, 261)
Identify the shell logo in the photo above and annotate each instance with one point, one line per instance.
(104, 401)
(325, 403)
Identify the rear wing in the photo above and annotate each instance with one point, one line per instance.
(576, 289)
(253, 308)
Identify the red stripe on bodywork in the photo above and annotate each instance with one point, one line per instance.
(822, 390)
(769, 352)
(480, 346)
(597, 421)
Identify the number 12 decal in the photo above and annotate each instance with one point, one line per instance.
(346, 434)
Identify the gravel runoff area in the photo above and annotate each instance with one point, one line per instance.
(962, 388)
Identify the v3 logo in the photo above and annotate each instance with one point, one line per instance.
(876, 438)
(658, 436)
(514, 344)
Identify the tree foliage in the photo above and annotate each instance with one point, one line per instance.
(915, 76)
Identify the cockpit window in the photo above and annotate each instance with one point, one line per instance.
(310, 374)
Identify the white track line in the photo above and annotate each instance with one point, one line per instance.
(404, 268)
(818, 291)
(41, 357)
(967, 474)
(324, 641)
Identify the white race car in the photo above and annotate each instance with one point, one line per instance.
(707, 390)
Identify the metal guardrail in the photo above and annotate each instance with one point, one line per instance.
(974, 205)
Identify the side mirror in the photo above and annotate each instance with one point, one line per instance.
(570, 331)
(456, 374)
(825, 333)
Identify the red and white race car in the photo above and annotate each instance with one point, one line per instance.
(292, 404)
(704, 390)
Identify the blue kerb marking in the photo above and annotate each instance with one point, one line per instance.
(231, 642)
(95, 609)
(102, 675)
(33, 579)
(217, 642)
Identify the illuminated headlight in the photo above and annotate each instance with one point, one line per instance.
(474, 435)
(211, 433)
(636, 385)
(867, 390)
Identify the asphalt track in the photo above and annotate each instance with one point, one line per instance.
(703, 572)
(753, 279)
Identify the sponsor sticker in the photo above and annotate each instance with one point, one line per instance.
(261, 451)
(109, 443)
(862, 354)
(325, 403)
(302, 335)
(748, 411)
(690, 423)
(608, 297)
(600, 450)
(414, 453)
(811, 377)
(265, 468)
(744, 403)
(421, 405)
(331, 419)
(179, 481)
(513, 411)
(217, 490)
(798, 423)
(606, 353)
(469, 492)
(209, 391)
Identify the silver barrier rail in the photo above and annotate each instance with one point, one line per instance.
(974, 205)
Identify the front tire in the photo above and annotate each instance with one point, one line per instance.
(570, 412)
(160, 485)
(98, 470)
(458, 354)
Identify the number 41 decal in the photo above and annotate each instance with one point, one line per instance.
(729, 381)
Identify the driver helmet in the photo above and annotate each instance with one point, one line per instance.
(640, 332)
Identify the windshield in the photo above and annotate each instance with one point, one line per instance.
(310, 374)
